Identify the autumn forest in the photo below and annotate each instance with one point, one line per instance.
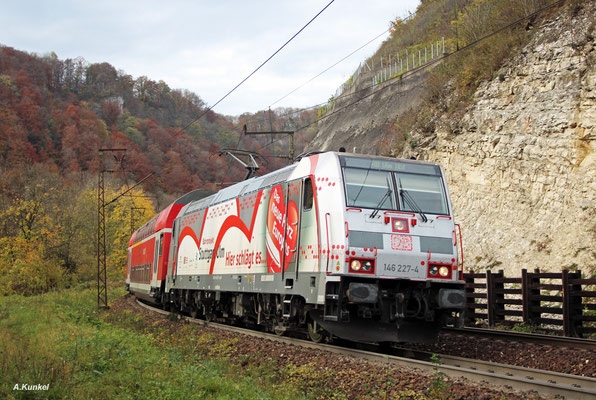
(54, 117)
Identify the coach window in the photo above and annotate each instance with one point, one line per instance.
(160, 245)
(308, 195)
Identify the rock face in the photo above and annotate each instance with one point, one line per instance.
(363, 116)
(522, 172)
(521, 163)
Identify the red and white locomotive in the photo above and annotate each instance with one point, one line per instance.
(359, 247)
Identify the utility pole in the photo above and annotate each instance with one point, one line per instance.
(291, 149)
(102, 280)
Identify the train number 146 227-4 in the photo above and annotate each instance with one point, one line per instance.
(404, 268)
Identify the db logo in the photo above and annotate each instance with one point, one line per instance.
(276, 228)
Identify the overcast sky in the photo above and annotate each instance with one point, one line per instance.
(210, 46)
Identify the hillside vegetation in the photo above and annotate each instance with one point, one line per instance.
(480, 36)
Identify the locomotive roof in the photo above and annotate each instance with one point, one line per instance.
(241, 188)
(272, 178)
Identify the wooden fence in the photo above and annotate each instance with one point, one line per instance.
(544, 299)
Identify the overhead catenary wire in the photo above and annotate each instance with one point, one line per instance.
(328, 68)
(258, 68)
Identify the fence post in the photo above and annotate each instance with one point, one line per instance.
(567, 314)
(499, 298)
(470, 301)
(572, 308)
(525, 297)
(490, 300)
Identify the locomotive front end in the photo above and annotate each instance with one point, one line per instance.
(401, 277)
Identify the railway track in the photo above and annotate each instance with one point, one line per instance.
(512, 377)
(547, 340)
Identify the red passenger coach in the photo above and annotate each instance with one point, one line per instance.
(148, 250)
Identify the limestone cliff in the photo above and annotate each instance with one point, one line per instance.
(521, 163)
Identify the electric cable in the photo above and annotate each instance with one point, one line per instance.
(328, 68)
(258, 68)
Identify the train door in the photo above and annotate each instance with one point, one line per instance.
(155, 261)
(292, 216)
(308, 238)
(129, 266)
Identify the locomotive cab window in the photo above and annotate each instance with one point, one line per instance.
(421, 191)
(369, 188)
(308, 195)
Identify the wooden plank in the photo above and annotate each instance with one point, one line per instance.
(547, 275)
(548, 310)
(514, 313)
(476, 295)
(474, 275)
(558, 299)
(508, 291)
(547, 287)
(478, 306)
(508, 280)
(475, 285)
(584, 293)
(517, 302)
(584, 282)
(549, 321)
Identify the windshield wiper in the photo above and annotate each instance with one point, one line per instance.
(380, 204)
(405, 195)
(378, 207)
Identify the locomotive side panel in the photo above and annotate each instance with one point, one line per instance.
(263, 241)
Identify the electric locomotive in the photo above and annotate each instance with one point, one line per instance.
(359, 247)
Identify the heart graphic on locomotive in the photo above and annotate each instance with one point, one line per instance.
(276, 226)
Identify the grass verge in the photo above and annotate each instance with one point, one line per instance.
(60, 339)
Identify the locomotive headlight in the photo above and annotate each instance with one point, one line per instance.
(433, 270)
(367, 266)
(355, 265)
(400, 225)
(444, 271)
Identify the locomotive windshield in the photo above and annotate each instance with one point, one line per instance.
(372, 183)
(367, 188)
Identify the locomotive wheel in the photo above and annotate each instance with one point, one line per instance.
(315, 332)
(278, 327)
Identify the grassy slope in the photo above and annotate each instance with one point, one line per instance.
(61, 339)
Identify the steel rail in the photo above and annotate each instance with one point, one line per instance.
(511, 377)
(548, 340)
